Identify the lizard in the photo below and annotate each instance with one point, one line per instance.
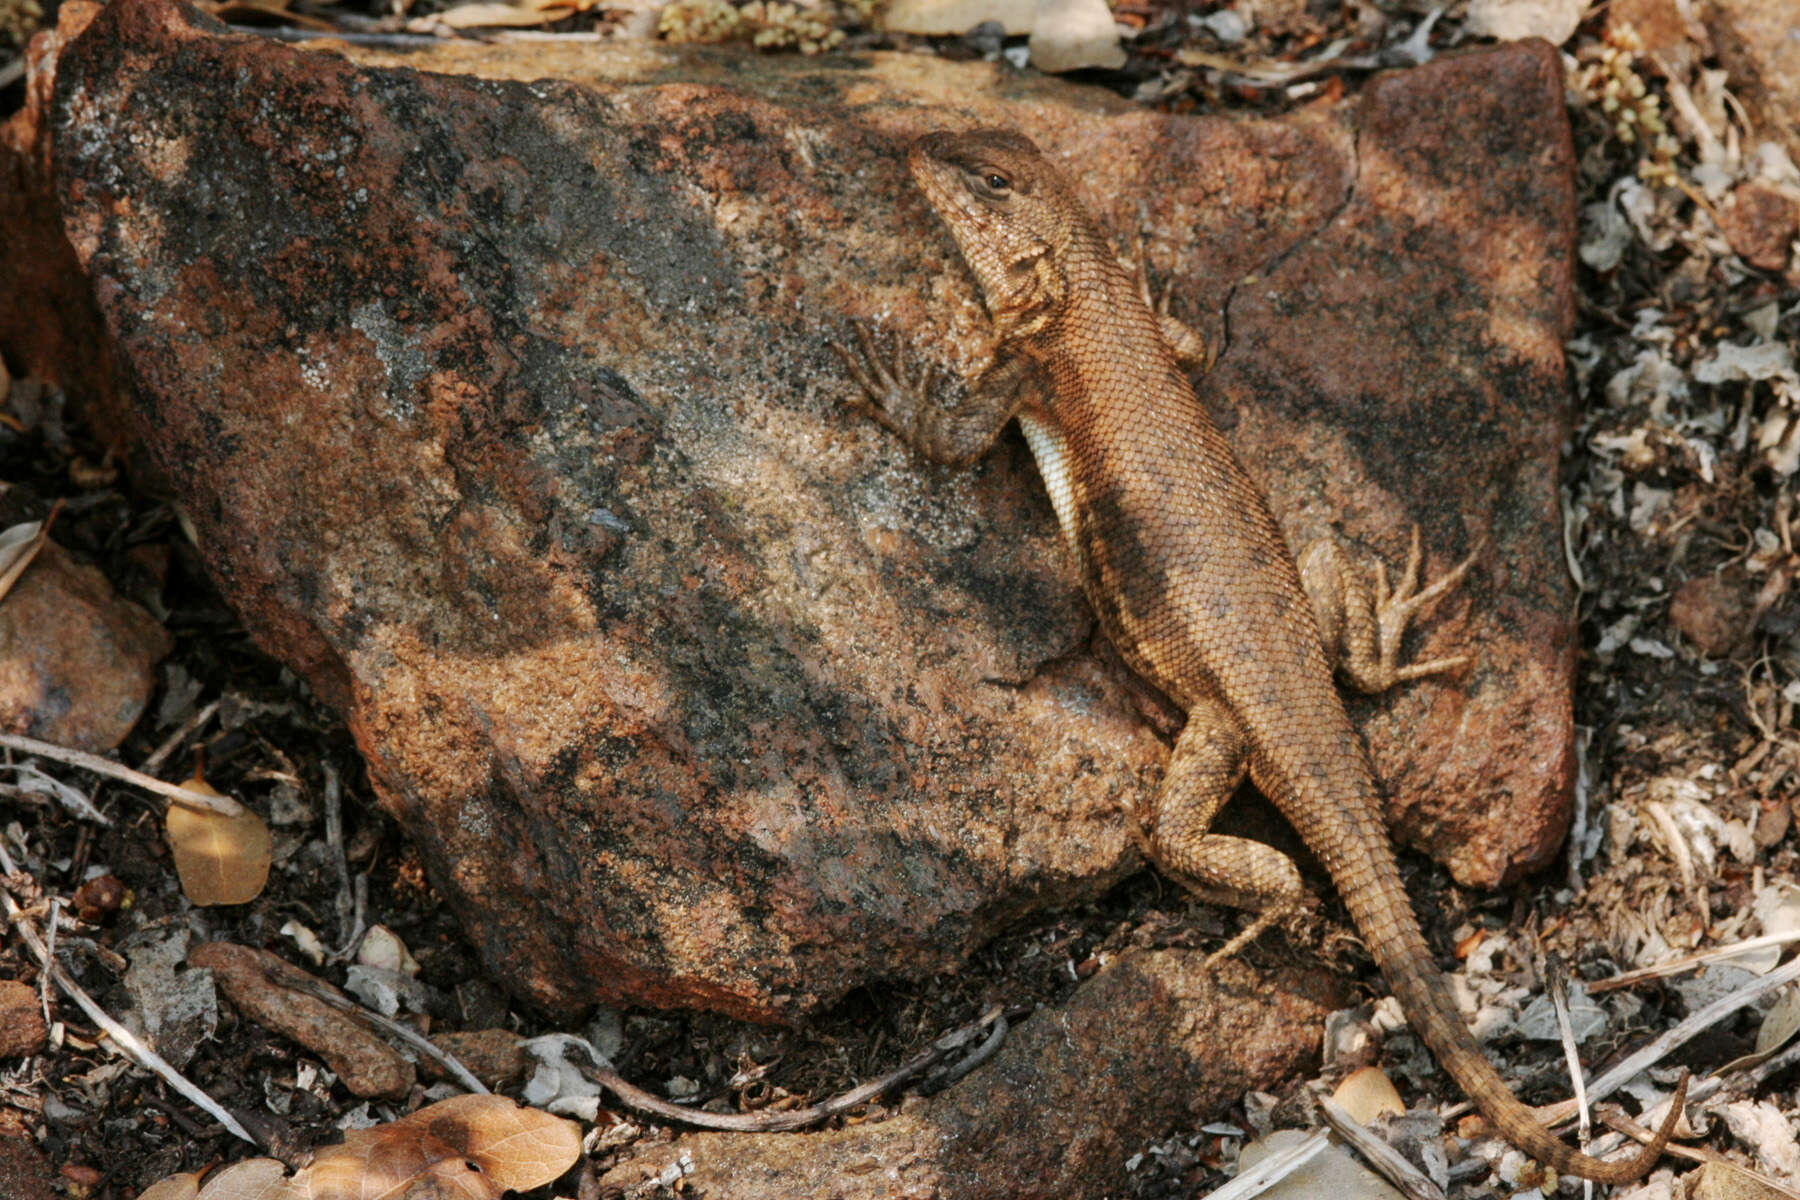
(1191, 578)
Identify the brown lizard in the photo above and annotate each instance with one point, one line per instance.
(1191, 578)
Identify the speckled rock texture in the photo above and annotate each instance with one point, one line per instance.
(1152, 1043)
(1759, 43)
(504, 410)
(77, 661)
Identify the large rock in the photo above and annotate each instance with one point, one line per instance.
(1152, 1043)
(504, 412)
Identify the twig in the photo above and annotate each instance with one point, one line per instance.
(44, 979)
(369, 1016)
(948, 1074)
(1699, 959)
(1684, 1031)
(637, 1098)
(1556, 984)
(174, 740)
(224, 805)
(1387, 1162)
(1273, 1169)
(334, 844)
(126, 1041)
(402, 41)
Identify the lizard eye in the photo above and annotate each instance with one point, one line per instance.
(997, 182)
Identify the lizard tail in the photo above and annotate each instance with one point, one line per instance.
(1404, 959)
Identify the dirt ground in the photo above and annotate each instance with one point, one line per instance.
(1679, 494)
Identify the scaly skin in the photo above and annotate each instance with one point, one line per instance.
(1191, 578)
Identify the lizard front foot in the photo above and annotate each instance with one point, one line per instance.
(892, 393)
(1191, 350)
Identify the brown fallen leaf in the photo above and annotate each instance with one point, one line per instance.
(485, 13)
(464, 1148)
(184, 1186)
(473, 1147)
(1367, 1093)
(19, 545)
(252, 12)
(220, 859)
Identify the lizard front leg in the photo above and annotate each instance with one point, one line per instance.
(1209, 761)
(914, 408)
(1362, 628)
(1192, 351)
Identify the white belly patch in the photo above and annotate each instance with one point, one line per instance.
(1052, 456)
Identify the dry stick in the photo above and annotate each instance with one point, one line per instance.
(126, 1041)
(411, 1037)
(1556, 979)
(1273, 1169)
(1664, 1043)
(1386, 1161)
(1698, 959)
(223, 805)
(174, 740)
(347, 909)
(637, 1098)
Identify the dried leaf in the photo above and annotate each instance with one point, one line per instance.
(1780, 1023)
(18, 546)
(220, 859)
(1726, 1181)
(487, 14)
(463, 1148)
(1367, 1093)
(184, 1186)
(252, 1179)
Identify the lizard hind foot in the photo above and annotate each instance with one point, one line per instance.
(1272, 915)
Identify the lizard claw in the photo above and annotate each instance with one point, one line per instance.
(1396, 606)
(891, 394)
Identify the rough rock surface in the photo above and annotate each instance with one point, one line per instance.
(504, 412)
(22, 1028)
(1150, 1043)
(1759, 43)
(77, 662)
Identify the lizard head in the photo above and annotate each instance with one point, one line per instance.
(1010, 211)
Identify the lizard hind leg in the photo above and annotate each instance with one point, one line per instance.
(1208, 763)
(1362, 627)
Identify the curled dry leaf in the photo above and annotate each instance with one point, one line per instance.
(184, 1186)
(18, 546)
(464, 1148)
(253, 1179)
(485, 14)
(220, 859)
(1780, 1023)
(469, 1146)
(1366, 1093)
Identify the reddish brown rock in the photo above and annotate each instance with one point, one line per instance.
(1760, 221)
(24, 1175)
(278, 996)
(1152, 1044)
(77, 663)
(1713, 612)
(49, 326)
(1672, 40)
(497, 1057)
(1759, 43)
(22, 1028)
(505, 413)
